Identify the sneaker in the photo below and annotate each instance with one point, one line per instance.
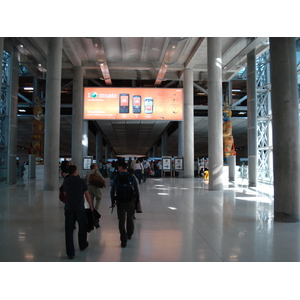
(123, 245)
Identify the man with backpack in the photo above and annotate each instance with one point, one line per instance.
(124, 189)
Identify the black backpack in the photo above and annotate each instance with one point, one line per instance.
(124, 188)
(113, 174)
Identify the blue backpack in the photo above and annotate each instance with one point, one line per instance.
(124, 188)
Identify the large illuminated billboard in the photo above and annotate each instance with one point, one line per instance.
(133, 104)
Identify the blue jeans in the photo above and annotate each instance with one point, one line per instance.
(70, 218)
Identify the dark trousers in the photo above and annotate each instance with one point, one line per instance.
(145, 175)
(138, 175)
(70, 218)
(125, 216)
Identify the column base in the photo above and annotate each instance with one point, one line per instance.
(286, 218)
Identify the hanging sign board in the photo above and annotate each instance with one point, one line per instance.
(133, 104)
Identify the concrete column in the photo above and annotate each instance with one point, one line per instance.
(285, 112)
(52, 114)
(113, 153)
(12, 118)
(188, 123)
(215, 121)
(31, 166)
(36, 90)
(77, 118)
(230, 92)
(180, 138)
(99, 146)
(85, 137)
(164, 143)
(107, 152)
(155, 150)
(180, 143)
(252, 119)
(231, 165)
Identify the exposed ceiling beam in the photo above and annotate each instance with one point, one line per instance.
(167, 59)
(24, 98)
(192, 59)
(252, 45)
(102, 60)
(71, 52)
(200, 88)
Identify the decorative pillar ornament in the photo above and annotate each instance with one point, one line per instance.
(37, 137)
(228, 141)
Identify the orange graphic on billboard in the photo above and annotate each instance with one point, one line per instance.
(133, 104)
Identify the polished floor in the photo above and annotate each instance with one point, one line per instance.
(182, 221)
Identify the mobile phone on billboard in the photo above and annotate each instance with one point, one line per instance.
(148, 105)
(124, 103)
(136, 104)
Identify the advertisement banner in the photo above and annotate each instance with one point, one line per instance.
(133, 104)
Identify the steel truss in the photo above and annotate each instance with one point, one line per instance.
(264, 120)
(4, 114)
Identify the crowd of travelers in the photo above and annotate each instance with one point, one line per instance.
(82, 198)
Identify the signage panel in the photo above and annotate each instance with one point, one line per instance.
(86, 162)
(166, 163)
(178, 163)
(133, 104)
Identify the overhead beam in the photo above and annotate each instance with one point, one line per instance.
(239, 101)
(200, 88)
(252, 45)
(167, 60)
(102, 60)
(24, 98)
(192, 60)
(71, 52)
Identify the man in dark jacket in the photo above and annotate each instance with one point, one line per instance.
(125, 201)
(75, 188)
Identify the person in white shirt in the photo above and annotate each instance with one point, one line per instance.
(138, 170)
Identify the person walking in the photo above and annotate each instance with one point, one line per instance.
(147, 168)
(75, 188)
(94, 191)
(159, 166)
(138, 170)
(122, 194)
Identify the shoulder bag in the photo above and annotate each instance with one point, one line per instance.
(96, 180)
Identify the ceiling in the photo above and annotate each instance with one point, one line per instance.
(156, 62)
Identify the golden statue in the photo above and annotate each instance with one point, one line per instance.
(37, 137)
(228, 142)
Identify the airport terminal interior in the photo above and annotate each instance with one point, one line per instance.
(182, 220)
